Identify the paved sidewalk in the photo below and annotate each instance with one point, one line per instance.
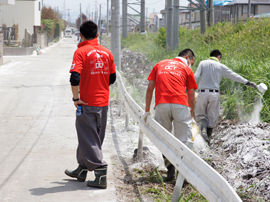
(37, 129)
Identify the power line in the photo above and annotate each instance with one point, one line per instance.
(154, 3)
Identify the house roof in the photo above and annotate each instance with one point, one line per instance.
(254, 2)
(221, 2)
(193, 6)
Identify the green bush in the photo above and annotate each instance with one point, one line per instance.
(160, 40)
(48, 25)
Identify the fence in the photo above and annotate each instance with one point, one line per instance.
(8, 33)
(190, 166)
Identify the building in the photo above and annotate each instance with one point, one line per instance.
(154, 22)
(239, 8)
(221, 11)
(187, 17)
(133, 23)
(184, 17)
(7, 2)
(25, 13)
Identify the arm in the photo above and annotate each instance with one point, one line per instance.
(112, 78)
(191, 101)
(149, 94)
(198, 73)
(228, 73)
(75, 81)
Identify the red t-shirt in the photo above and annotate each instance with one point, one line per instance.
(95, 63)
(172, 78)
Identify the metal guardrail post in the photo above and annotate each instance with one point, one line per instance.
(117, 94)
(121, 105)
(180, 179)
(127, 122)
(140, 145)
(178, 187)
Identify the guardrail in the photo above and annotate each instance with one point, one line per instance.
(190, 166)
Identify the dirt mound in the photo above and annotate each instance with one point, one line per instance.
(136, 68)
(241, 153)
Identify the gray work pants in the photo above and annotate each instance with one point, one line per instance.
(91, 127)
(207, 107)
(180, 117)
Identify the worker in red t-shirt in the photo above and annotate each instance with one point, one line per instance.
(92, 71)
(173, 105)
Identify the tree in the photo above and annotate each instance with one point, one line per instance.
(48, 20)
(78, 21)
(51, 20)
(48, 13)
(48, 25)
(58, 14)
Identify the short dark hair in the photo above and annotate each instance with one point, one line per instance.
(89, 30)
(215, 53)
(186, 52)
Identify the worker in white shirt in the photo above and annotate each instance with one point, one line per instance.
(207, 106)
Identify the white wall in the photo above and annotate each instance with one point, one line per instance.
(24, 13)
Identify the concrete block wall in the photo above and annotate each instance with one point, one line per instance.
(42, 40)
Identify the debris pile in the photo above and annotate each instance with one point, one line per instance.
(136, 68)
(241, 153)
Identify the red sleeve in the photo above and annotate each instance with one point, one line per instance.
(112, 69)
(152, 75)
(191, 83)
(77, 63)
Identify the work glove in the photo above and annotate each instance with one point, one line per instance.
(145, 115)
(251, 84)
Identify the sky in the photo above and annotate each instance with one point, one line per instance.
(74, 6)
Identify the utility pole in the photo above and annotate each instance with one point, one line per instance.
(99, 19)
(115, 42)
(249, 8)
(169, 33)
(175, 24)
(146, 18)
(142, 20)
(95, 17)
(190, 14)
(203, 19)
(64, 9)
(124, 18)
(99, 25)
(211, 13)
(89, 12)
(80, 14)
(107, 17)
(68, 14)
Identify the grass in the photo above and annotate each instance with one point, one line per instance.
(157, 187)
(245, 48)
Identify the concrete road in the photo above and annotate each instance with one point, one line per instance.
(37, 131)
